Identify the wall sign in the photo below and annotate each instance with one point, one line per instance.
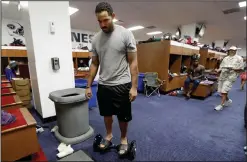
(81, 37)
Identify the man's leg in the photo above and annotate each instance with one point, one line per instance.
(195, 85)
(108, 125)
(124, 140)
(186, 85)
(225, 88)
(123, 128)
(105, 109)
(124, 116)
(224, 98)
(242, 84)
(220, 88)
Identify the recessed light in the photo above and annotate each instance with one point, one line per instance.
(6, 2)
(245, 18)
(242, 4)
(154, 33)
(135, 28)
(115, 20)
(72, 10)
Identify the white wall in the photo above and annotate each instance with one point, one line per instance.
(42, 46)
(188, 30)
(78, 36)
(242, 52)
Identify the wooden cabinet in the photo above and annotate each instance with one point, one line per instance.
(20, 141)
(73, 54)
(172, 84)
(14, 53)
(82, 54)
(210, 59)
(20, 55)
(187, 51)
(4, 53)
(175, 63)
(176, 50)
(167, 55)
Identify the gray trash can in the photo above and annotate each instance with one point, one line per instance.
(72, 115)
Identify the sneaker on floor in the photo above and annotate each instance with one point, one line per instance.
(67, 151)
(61, 147)
(228, 103)
(219, 108)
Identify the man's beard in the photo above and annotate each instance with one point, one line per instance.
(109, 30)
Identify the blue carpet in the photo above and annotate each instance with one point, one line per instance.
(172, 129)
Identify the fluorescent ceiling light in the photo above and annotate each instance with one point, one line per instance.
(6, 2)
(242, 4)
(115, 20)
(23, 4)
(154, 33)
(135, 28)
(245, 18)
(72, 10)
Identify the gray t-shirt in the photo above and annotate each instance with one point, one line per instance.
(111, 49)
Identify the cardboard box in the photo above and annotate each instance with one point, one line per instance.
(27, 104)
(21, 84)
(25, 98)
(23, 93)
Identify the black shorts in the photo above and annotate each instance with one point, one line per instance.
(114, 100)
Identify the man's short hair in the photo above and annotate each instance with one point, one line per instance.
(195, 57)
(104, 6)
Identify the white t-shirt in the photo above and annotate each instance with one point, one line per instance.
(235, 62)
(97, 75)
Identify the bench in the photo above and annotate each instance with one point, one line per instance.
(10, 101)
(19, 139)
(5, 81)
(204, 90)
(6, 85)
(7, 91)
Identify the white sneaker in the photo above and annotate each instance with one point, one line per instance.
(219, 108)
(228, 103)
(67, 151)
(61, 147)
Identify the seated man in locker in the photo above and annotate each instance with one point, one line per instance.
(10, 70)
(195, 75)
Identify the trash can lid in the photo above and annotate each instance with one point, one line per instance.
(67, 96)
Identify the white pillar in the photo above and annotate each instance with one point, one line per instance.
(42, 45)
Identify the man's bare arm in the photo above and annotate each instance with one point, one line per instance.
(93, 70)
(200, 76)
(132, 59)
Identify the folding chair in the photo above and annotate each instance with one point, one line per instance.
(153, 83)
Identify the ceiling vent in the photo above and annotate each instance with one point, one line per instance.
(230, 11)
(151, 27)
